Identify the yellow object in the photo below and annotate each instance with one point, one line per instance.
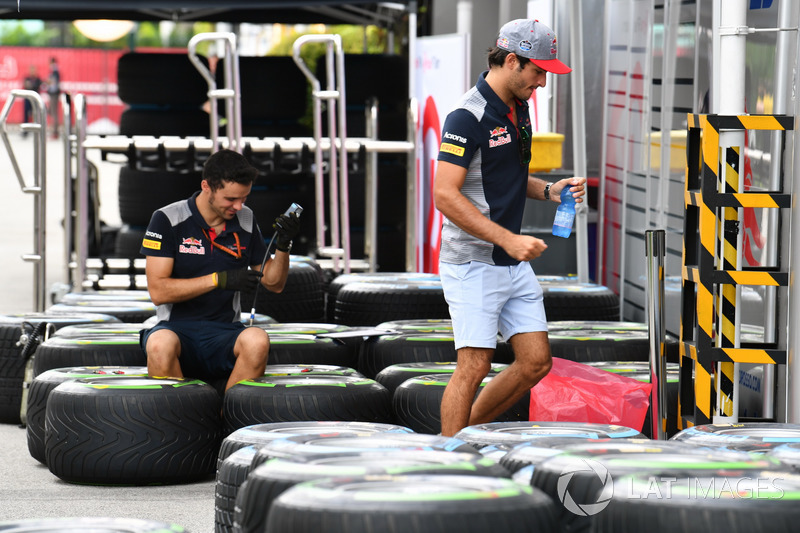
(677, 150)
(545, 151)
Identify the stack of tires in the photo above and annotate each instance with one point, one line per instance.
(164, 94)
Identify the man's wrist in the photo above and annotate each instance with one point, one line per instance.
(547, 190)
(215, 280)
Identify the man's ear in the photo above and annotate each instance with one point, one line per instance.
(204, 186)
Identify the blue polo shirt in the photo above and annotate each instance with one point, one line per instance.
(480, 136)
(180, 232)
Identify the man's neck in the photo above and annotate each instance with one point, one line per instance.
(203, 206)
(496, 78)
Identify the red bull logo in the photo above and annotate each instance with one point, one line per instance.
(498, 131)
(190, 245)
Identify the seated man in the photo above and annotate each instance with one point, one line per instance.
(201, 252)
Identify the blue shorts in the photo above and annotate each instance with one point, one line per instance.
(486, 299)
(206, 347)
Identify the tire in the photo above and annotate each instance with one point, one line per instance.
(160, 121)
(160, 79)
(566, 300)
(788, 454)
(440, 325)
(124, 311)
(300, 301)
(311, 370)
(106, 295)
(369, 304)
(463, 504)
(132, 431)
(90, 350)
(498, 433)
(271, 479)
(417, 403)
(380, 352)
(592, 341)
(12, 364)
(307, 350)
(261, 434)
(107, 525)
(515, 458)
(745, 436)
(231, 474)
(110, 329)
(590, 473)
(760, 503)
(383, 351)
(259, 92)
(348, 441)
(142, 192)
(128, 243)
(341, 280)
(393, 376)
(40, 390)
(295, 398)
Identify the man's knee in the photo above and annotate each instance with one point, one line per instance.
(532, 370)
(252, 346)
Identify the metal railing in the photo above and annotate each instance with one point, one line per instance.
(334, 96)
(231, 93)
(38, 188)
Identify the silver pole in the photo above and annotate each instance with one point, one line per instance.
(37, 189)
(82, 192)
(656, 250)
(579, 132)
(371, 190)
(69, 199)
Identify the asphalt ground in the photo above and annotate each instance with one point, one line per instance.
(27, 488)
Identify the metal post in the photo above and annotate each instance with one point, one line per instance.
(38, 189)
(69, 194)
(655, 249)
(411, 136)
(81, 192)
(231, 93)
(371, 190)
(579, 132)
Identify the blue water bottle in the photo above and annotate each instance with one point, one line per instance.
(565, 215)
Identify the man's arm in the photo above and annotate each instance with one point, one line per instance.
(535, 189)
(164, 289)
(460, 211)
(276, 271)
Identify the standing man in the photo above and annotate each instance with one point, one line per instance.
(53, 91)
(480, 187)
(201, 253)
(32, 82)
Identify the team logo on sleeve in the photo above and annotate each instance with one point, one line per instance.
(499, 136)
(451, 148)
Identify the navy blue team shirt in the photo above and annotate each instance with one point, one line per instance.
(480, 136)
(180, 232)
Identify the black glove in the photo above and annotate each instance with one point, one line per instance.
(287, 227)
(240, 279)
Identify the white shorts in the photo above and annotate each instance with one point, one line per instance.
(485, 299)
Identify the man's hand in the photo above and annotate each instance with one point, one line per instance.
(524, 247)
(577, 186)
(287, 227)
(241, 279)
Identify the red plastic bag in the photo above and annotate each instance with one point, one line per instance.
(574, 392)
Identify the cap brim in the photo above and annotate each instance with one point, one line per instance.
(552, 65)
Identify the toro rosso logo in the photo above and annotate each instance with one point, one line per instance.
(190, 245)
(499, 136)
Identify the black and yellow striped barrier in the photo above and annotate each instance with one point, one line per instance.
(711, 272)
